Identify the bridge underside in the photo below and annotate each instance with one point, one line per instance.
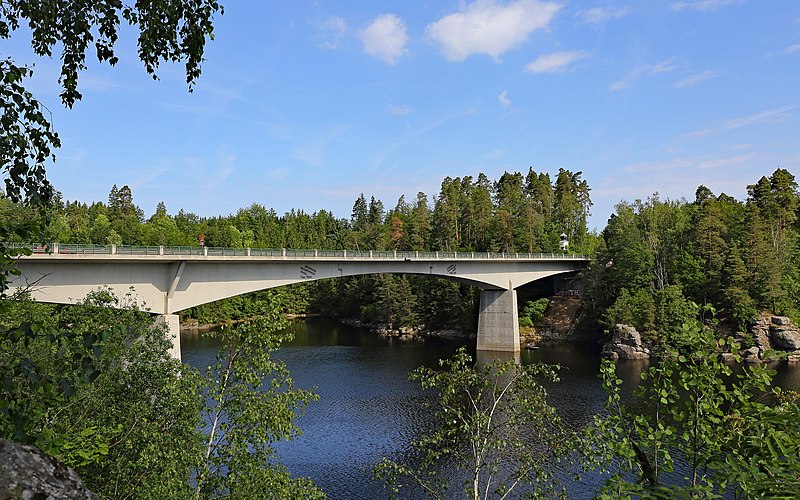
(166, 286)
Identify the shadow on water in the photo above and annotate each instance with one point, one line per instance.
(368, 409)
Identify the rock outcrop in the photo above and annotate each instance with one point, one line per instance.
(28, 473)
(773, 333)
(626, 343)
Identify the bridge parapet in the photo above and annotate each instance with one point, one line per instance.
(61, 249)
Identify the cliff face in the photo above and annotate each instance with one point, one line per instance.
(561, 322)
(773, 333)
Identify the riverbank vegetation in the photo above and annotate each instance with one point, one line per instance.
(94, 386)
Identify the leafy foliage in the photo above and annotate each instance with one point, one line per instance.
(533, 312)
(696, 409)
(493, 424)
(250, 404)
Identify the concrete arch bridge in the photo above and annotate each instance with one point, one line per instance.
(171, 279)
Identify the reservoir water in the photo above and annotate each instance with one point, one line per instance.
(368, 409)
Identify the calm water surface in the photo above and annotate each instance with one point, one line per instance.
(368, 409)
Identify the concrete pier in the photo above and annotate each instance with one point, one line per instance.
(498, 323)
(173, 324)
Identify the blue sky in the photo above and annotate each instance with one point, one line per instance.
(306, 104)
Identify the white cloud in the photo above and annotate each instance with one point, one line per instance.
(670, 64)
(332, 32)
(770, 116)
(489, 27)
(791, 49)
(555, 62)
(385, 38)
(503, 99)
(601, 15)
(399, 110)
(694, 79)
(701, 5)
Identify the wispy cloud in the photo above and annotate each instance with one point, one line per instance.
(701, 5)
(601, 15)
(224, 170)
(690, 163)
(148, 176)
(694, 79)
(331, 32)
(398, 143)
(399, 110)
(385, 38)
(666, 66)
(791, 49)
(489, 27)
(555, 62)
(311, 149)
(277, 174)
(503, 99)
(778, 115)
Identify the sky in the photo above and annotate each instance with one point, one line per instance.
(306, 104)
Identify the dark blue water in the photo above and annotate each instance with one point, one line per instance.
(368, 409)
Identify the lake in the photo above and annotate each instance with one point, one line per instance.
(368, 409)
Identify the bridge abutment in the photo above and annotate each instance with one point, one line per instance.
(173, 331)
(498, 322)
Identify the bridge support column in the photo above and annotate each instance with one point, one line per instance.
(173, 330)
(498, 322)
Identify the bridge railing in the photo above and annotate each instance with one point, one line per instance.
(134, 250)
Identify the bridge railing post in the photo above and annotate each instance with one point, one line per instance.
(248, 251)
(283, 253)
(160, 249)
(113, 249)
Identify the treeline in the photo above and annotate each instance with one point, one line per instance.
(740, 257)
(515, 213)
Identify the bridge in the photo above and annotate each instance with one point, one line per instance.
(170, 279)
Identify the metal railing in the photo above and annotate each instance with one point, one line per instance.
(278, 253)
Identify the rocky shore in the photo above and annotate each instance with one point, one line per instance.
(626, 343)
(769, 338)
(772, 334)
(408, 333)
